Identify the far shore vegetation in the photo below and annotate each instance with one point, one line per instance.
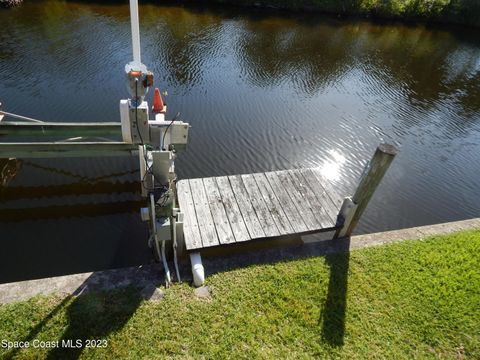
(463, 12)
(416, 299)
(9, 3)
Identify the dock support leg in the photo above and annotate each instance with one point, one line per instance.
(197, 269)
(352, 210)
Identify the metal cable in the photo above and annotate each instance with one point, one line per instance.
(19, 116)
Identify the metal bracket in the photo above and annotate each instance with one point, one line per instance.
(345, 216)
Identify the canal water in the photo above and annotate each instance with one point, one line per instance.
(262, 90)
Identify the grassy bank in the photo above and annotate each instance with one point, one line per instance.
(465, 12)
(417, 299)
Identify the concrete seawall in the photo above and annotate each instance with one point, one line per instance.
(147, 278)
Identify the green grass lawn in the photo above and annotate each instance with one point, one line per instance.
(416, 299)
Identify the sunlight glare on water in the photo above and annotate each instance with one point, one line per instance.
(331, 167)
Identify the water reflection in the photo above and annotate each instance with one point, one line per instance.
(271, 52)
(9, 169)
(180, 43)
(425, 66)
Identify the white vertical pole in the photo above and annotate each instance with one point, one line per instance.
(135, 30)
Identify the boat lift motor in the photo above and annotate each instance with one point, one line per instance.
(158, 140)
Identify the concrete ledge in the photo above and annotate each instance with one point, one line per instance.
(142, 277)
(413, 233)
(148, 278)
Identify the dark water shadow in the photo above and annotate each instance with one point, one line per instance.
(94, 311)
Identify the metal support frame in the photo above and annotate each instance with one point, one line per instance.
(65, 149)
(61, 129)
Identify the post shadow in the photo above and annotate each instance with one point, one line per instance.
(332, 315)
(336, 253)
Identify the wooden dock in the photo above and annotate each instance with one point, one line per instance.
(233, 209)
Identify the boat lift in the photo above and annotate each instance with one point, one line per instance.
(194, 214)
(156, 141)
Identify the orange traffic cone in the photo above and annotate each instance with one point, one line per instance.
(158, 105)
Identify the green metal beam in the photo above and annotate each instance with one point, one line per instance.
(67, 130)
(75, 210)
(65, 149)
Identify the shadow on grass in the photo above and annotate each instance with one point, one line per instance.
(99, 313)
(94, 317)
(90, 316)
(332, 316)
(337, 256)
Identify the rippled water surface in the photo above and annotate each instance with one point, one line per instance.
(263, 91)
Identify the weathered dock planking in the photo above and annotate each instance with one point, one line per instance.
(231, 209)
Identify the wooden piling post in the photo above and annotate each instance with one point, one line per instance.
(374, 171)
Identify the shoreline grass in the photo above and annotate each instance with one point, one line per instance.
(415, 299)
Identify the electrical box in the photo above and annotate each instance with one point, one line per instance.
(134, 121)
(179, 134)
(176, 132)
(163, 166)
